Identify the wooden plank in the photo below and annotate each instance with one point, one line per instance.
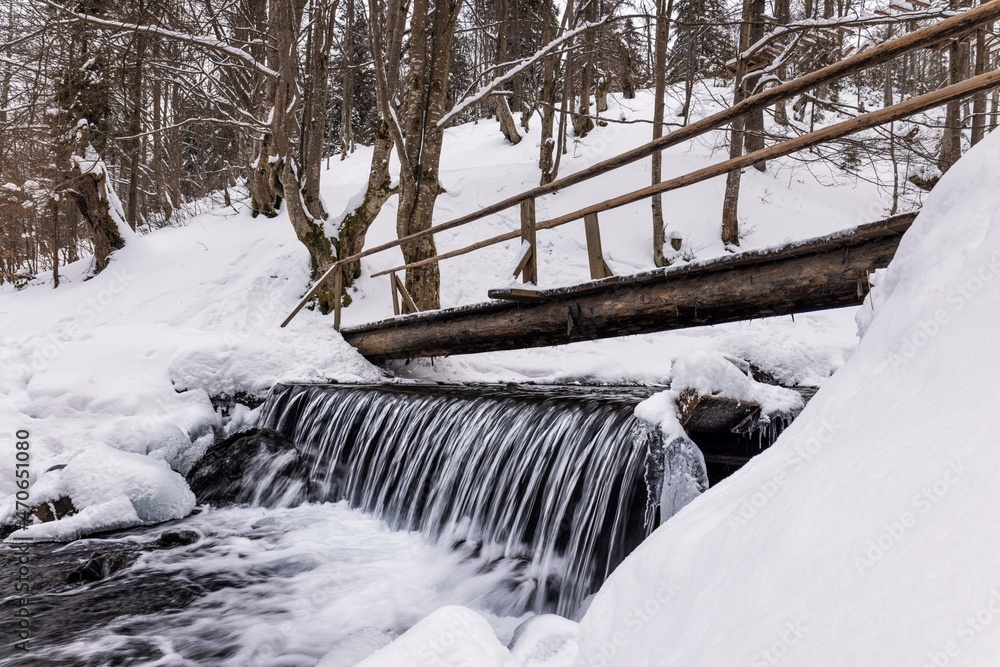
(395, 295)
(894, 226)
(773, 284)
(407, 299)
(529, 272)
(515, 294)
(595, 253)
(526, 255)
(845, 128)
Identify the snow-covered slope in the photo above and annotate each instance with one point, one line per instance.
(127, 361)
(864, 536)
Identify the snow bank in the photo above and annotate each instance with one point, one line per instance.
(862, 536)
(124, 364)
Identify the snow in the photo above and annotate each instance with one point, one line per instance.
(449, 636)
(113, 375)
(858, 537)
(125, 363)
(112, 489)
(709, 373)
(862, 535)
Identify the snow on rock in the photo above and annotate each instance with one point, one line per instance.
(710, 373)
(449, 636)
(545, 640)
(111, 489)
(863, 535)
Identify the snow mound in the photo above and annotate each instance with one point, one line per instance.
(110, 489)
(448, 636)
(859, 537)
(709, 373)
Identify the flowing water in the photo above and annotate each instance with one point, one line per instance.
(504, 500)
(551, 479)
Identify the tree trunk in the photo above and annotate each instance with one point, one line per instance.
(508, 126)
(546, 151)
(664, 10)
(354, 227)
(782, 15)
(979, 101)
(322, 25)
(432, 30)
(730, 204)
(299, 189)
(89, 188)
(347, 98)
(753, 136)
(583, 123)
(135, 128)
(54, 212)
(951, 138)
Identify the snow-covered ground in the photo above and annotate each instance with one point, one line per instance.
(113, 376)
(862, 536)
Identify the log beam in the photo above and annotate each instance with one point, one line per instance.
(829, 272)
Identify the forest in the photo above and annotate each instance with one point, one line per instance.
(121, 117)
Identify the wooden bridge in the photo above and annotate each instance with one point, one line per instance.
(830, 272)
(827, 272)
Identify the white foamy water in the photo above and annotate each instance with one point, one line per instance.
(278, 587)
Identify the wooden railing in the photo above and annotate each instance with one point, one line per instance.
(951, 28)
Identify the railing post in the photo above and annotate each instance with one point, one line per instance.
(338, 291)
(595, 254)
(400, 288)
(395, 295)
(529, 270)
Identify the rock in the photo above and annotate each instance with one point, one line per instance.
(255, 467)
(55, 510)
(100, 566)
(171, 539)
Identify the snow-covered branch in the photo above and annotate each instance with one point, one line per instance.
(490, 87)
(157, 31)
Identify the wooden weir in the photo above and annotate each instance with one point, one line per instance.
(819, 273)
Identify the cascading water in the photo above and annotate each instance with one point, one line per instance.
(553, 478)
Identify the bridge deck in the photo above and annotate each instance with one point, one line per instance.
(814, 274)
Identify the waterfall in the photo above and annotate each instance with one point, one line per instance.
(552, 479)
